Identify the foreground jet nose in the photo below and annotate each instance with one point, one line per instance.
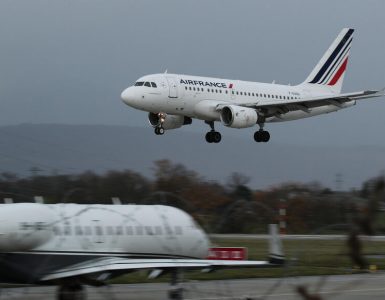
(128, 96)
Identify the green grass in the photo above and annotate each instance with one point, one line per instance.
(305, 257)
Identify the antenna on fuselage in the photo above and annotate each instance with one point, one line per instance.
(165, 72)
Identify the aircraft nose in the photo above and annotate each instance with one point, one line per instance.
(128, 96)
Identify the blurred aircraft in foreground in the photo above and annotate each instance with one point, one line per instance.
(71, 245)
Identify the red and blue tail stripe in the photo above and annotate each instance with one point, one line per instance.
(335, 65)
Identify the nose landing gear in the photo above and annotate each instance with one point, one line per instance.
(212, 136)
(159, 130)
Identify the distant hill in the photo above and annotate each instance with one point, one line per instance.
(76, 148)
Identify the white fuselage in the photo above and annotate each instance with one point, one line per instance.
(129, 230)
(193, 96)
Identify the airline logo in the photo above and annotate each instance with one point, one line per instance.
(335, 65)
(204, 83)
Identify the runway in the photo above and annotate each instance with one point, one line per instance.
(341, 287)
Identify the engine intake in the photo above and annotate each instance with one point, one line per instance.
(235, 116)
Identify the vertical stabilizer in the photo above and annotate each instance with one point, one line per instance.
(330, 71)
(275, 246)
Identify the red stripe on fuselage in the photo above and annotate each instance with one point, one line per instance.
(340, 71)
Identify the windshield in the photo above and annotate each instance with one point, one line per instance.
(139, 83)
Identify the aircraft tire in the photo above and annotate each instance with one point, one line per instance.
(257, 136)
(265, 136)
(216, 137)
(209, 137)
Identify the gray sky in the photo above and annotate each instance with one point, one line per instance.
(68, 61)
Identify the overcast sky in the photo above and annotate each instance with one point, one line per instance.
(68, 61)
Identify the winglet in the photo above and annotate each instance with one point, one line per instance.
(275, 246)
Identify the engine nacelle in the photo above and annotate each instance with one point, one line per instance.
(24, 226)
(170, 121)
(235, 116)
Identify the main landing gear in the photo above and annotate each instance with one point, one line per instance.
(261, 135)
(212, 136)
(159, 130)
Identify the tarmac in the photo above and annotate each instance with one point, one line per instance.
(337, 287)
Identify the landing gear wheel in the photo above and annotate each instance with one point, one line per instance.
(71, 292)
(209, 137)
(213, 137)
(217, 137)
(261, 136)
(159, 130)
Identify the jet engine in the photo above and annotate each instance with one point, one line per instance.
(168, 121)
(235, 116)
(24, 226)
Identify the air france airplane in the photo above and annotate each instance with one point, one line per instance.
(71, 245)
(173, 100)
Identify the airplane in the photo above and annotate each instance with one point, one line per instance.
(173, 100)
(71, 245)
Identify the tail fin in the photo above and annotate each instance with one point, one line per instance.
(275, 246)
(330, 70)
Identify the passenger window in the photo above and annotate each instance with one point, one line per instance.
(139, 230)
(147, 84)
(139, 83)
(189, 88)
(249, 94)
(110, 231)
(185, 88)
(178, 230)
(153, 84)
(119, 230)
(56, 230)
(149, 230)
(241, 93)
(67, 230)
(252, 94)
(158, 230)
(232, 92)
(193, 88)
(98, 230)
(129, 230)
(78, 230)
(87, 230)
(237, 93)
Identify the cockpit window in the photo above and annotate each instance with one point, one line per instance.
(153, 84)
(147, 84)
(139, 83)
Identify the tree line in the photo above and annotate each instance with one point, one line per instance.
(230, 207)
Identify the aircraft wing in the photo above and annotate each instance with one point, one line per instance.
(119, 265)
(115, 264)
(308, 103)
